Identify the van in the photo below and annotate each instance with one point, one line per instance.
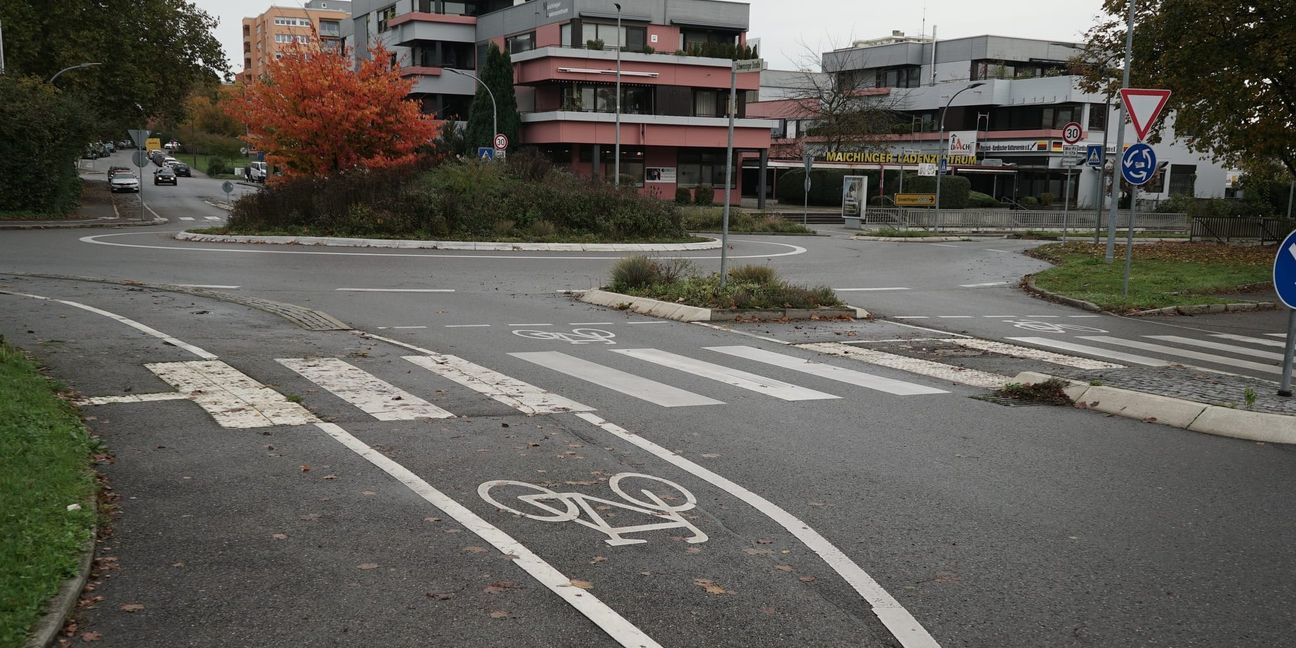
(255, 171)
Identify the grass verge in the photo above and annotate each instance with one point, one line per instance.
(749, 287)
(44, 467)
(1162, 274)
(1049, 392)
(422, 235)
(891, 232)
(711, 219)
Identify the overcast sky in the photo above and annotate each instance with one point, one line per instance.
(787, 27)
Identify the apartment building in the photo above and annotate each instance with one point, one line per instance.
(264, 36)
(675, 81)
(1027, 95)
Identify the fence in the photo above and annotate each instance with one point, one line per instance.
(1226, 229)
(1011, 219)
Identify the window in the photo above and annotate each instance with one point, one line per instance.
(699, 37)
(456, 56)
(1097, 116)
(303, 39)
(385, 15)
(566, 35)
(283, 38)
(586, 97)
(629, 38)
(1183, 179)
(330, 28)
(908, 76)
(701, 167)
(292, 22)
(706, 103)
(520, 43)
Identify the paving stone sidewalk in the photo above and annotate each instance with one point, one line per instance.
(1190, 384)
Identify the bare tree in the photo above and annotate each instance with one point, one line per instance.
(844, 108)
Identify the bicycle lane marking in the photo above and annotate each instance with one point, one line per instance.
(898, 621)
(607, 619)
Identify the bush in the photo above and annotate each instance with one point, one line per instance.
(955, 190)
(1030, 201)
(1046, 199)
(755, 287)
(826, 185)
(763, 275)
(218, 166)
(42, 134)
(635, 272)
(704, 195)
(683, 195)
(982, 201)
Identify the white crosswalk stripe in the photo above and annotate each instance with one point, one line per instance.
(371, 395)
(1031, 354)
(230, 396)
(1091, 350)
(1184, 353)
(1250, 340)
(186, 218)
(1277, 335)
(213, 218)
(962, 375)
(733, 377)
(523, 397)
(1216, 346)
(839, 374)
(617, 380)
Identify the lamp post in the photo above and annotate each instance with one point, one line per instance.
(74, 67)
(940, 154)
(1110, 255)
(494, 107)
(616, 148)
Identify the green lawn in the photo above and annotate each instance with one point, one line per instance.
(711, 219)
(44, 467)
(199, 162)
(1162, 274)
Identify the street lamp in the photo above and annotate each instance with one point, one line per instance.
(74, 67)
(616, 149)
(940, 154)
(494, 107)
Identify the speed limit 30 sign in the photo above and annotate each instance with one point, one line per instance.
(1073, 132)
(501, 141)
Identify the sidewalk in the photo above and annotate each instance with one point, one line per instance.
(98, 208)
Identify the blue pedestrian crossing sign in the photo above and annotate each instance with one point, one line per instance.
(1138, 164)
(485, 153)
(1094, 156)
(1284, 271)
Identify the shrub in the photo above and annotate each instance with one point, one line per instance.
(704, 195)
(955, 190)
(683, 195)
(42, 133)
(1030, 201)
(982, 201)
(218, 166)
(754, 274)
(1046, 199)
(634, 273)
(594, 44)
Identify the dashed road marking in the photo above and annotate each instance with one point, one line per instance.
(1184, 353)
(733, 377)
(1243, 338)
(617, 380)
(396, 290)
(521, 396)
(373, 396)
(209, 286)
(133, 398)
(984, 285)
(1229, 348)
(831, 372)
(467, 325)
(230, 396)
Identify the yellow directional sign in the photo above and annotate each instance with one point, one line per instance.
(915, 200)
(153, 144)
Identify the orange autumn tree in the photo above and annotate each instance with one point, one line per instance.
(314, 115)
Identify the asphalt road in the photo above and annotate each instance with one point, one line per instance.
(783, 507)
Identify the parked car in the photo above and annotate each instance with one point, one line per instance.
(172, 146)
(124, 181)
(255, 172)
(169, 161)
(114, 170)
(182, 169)
(165, 175)
(110, 147)
(157, 156)
(125, 144)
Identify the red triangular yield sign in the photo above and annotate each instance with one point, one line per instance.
(1143, 107)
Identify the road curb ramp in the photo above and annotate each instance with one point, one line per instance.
(1175, 412)
(686, 313)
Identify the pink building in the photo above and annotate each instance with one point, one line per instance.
(675, 57)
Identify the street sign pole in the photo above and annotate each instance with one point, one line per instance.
(1129, 241)
(1289, 355)
(1066, 203)
(729, 159)
(805, 209)
(1110, 254)
(1102, 171)
(1284, 282)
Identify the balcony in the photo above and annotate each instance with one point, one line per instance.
(652, 130)
(547, 64)
(413, 27)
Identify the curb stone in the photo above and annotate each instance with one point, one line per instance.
(1176, 412)
(1028, 282)
(83, 224)
(917, 239)
(46, 629)
(685, 313)
(1200, 309)
(477, 246)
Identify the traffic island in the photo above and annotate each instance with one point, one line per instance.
(675, 290)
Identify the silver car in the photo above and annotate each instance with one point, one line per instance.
(124, 182)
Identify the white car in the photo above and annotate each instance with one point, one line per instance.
(169, 161)
(255, 171)
(124, 182)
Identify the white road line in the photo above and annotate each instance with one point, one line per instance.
(467, 325)
(212, 218)
(918, 366)
(408, 328)
(1184, 353)
(903, 626)
(999, 316)
(607, 619)
(397, 290)
(523, 397)
(1032, 354)
(591, 323)
(1277, 335)
(530, 324)
(955, 317)
(128, 322)
(868, 289)
(734, 377)
(230, 396)
(737, 332)
(999, 251)
(1043, 316)
(984, 285)
(186, 218)
(1229, 348)
(1092, 350)
(942, 245)
(929, 330)
(209, 286)
(616, 380)
(1083, 316)
(831, 372)
(133, 398)
(371, 395)
(653, 322)
(908, 317)
(1252, 340)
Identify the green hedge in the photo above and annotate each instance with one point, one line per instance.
(955, 190)
(826, 185)
(42, 134)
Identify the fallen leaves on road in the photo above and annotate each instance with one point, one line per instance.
(499, 614)
(758, 552)
(440, 596)
(367, 566)
(91, 636)
(710, 586)
(783, 568)
(582, 584)
(279, 536)
(305, 468)
(474, 549)
(598, 559)
(500, 586)
(132, 607)
(807, 579)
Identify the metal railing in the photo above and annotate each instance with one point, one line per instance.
(1226, 229)
(1013, 219)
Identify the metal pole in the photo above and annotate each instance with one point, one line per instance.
(2, 63)
(1291, 193)
(1289, 355)
(1066, 202)
(1110, 255)
(1129, 242)
(728, 193)
(143, 149)
(616, 153)
(1102, 171)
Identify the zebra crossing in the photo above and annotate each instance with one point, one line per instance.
(384, 401)
(1228, 352)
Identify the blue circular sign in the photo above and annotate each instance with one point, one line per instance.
(1284, 271)
(1138, 164)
